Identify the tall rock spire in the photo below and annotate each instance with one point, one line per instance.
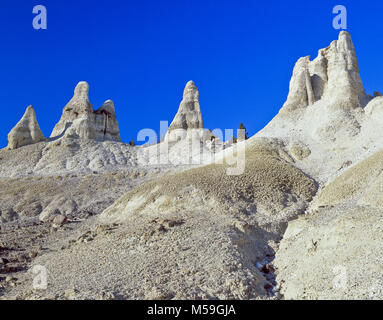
(343, 70)
(189, 112)
(78, 107)
(333, 75)
(27, 131)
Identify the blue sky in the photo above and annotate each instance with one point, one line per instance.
(141, 53)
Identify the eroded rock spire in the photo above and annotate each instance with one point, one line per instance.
(79, 120)
(27, 131)
(78, 107)
(189, 114)
(333, 75)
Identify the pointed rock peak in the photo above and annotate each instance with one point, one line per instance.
(344, 82)
(29, 114)
(190, 86)
(30, 107)
(78, 107)
(108, 106)
(345, 38)
(27, 131)
(343, 44)
(189, 113)
(191, 91)
(82, 90)
(344, 34)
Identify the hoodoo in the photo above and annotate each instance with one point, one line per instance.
(27, 131)
(79, 120)
(189, 114)
(333, 75)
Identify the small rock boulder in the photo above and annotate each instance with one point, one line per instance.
(59, 220)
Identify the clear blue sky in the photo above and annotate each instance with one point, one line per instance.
(141, 54)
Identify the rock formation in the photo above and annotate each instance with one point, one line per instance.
(27, 131)
(106, 122)
(301, 92)
(333, 75)
(189, 114)
(78, 107)
(326, 103)
(79, 120)
(303, 220)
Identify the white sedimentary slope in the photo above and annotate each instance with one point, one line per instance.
(199, 234)
(335, 252)
(27, 131)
